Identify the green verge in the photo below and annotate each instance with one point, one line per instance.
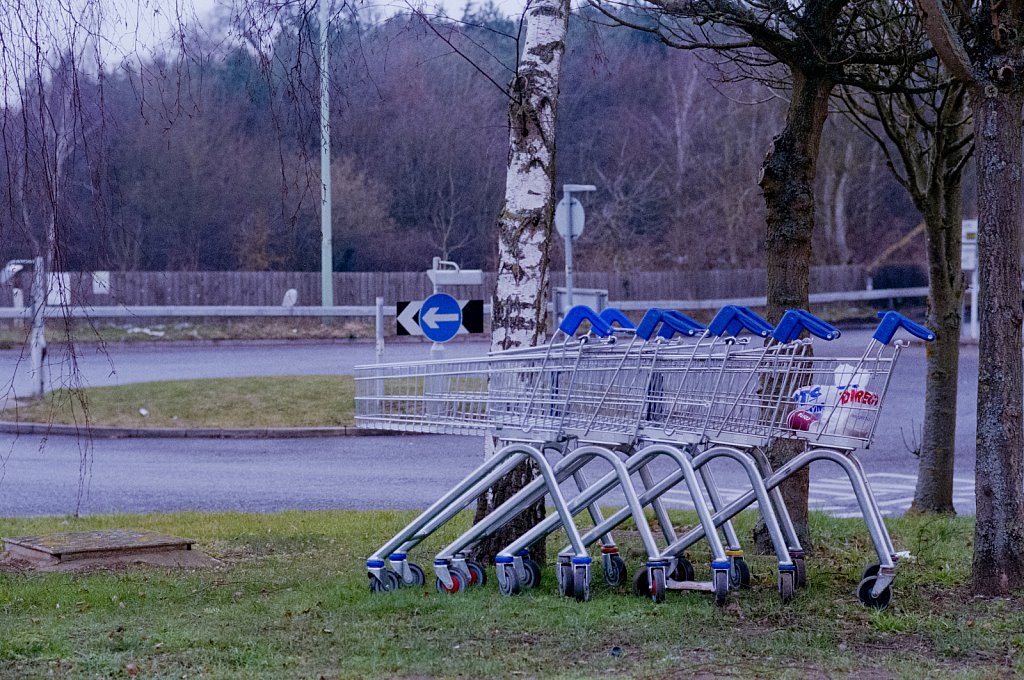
(289, 401)
(292, 601)
(15, 334)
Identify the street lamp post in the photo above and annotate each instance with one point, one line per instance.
(326, 253)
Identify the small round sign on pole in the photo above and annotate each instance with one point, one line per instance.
(569, 213)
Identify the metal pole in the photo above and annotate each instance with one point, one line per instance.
(975, 284)
(437, 348)
(568, 252)
(38, 336)
(379, 327)
(326, 253)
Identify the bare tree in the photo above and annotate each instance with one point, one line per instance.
(927, 141)
(54, 62)
(980, 45)
(805, 49)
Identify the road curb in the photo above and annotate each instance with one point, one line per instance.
(58, 429)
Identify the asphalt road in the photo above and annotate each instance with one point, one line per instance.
(60, 475)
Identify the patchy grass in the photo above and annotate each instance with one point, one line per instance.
(292, 601)
(290, 401)
(14, 334)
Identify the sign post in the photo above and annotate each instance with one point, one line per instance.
(440, 316)
(37, 336)
(569, 221)
(969, 263)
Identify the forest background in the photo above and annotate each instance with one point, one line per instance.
(205, 157)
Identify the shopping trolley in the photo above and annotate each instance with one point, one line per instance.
(738, 403)
(526, 398)
(658, 368)
(609, 390)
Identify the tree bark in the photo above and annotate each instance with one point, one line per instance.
(524, 232)
(787, 181)
(942, 214)
(999, 471)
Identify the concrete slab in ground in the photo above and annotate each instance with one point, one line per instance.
(84, 550)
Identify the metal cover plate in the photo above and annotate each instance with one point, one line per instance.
(112, 540)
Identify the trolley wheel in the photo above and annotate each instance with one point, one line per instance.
(801, 571)
(787, 585)
(870, 570)
(864, 594)
(418, 577)
(458, 582)
(720, 579)
(477, 575)
(581, 583)
(683, 571)
(641, 583)
(509, 585)
(385, 584)
(617, 574)
(532, 573)
(658, 584)
(565, 584)
(739, 573)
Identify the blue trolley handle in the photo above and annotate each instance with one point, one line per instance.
(612, 316)
(796, 321)
(679, 323)
(733, 320)
(893, 321)
(671, 323)
(580, 313)
(650, 322)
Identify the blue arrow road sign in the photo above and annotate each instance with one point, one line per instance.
(440, 317)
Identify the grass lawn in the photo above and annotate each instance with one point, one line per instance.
(291, 401)
(14, 334)
(291, 601)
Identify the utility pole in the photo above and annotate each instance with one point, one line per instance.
(326, 252)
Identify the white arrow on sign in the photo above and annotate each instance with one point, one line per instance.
(432, 317)
(406, 320)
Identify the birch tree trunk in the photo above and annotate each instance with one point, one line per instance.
(524, 229)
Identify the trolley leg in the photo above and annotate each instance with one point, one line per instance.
(607, 540)
(731, 539)
(856, 465)
(660, 512)
(448, 505)
(778, 503)
(739, 572)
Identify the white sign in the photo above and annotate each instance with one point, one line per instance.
(969, 245)
(101, 283)
(409, 317)
(58, 289)
(562, 214)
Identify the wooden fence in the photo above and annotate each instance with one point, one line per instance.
(361, 288)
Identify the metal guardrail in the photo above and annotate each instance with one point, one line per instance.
(124, 312)
(819, 298)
